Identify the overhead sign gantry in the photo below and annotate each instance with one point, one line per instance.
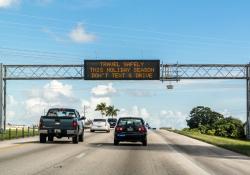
(111, 70)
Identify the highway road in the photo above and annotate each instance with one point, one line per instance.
(166, 153)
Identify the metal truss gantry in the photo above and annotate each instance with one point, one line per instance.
(169, 72)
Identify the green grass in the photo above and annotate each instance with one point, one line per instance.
(240, 146)
(19, 133)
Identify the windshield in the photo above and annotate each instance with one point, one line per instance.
(61, 113)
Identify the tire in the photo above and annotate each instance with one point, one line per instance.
(116, 142)
(144, 142)
(81, 138)
(50, 138)
(42, 138)
(92, 131)
(108, 130)
(75, 139)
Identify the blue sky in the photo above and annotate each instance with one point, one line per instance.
(53, 31)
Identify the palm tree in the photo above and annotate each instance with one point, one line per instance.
(102, 108)
(111, 111)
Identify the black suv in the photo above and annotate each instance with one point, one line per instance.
(112, 122)
(130, 129)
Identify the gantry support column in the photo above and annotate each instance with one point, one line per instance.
(4, 98)
(248, 101)
(1, 98)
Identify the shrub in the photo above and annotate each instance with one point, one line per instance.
(229, 127)
(210, 132)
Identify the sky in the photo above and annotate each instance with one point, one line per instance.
(67, 32)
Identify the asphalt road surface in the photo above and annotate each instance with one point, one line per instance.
(166, 153)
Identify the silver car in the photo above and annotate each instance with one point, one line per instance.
(100, 124)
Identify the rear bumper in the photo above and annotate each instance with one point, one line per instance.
(58, 132)
(135, 137)
(102, 128)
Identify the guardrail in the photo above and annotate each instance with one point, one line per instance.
(15, 133)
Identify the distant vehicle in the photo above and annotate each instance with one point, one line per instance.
(100, 124)
(147, 125)
(61, 122)
(112, 122)
(130, 129)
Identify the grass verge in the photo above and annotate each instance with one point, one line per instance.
(14, 133)
(239, 146)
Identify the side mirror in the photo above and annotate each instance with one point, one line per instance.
(83, 118)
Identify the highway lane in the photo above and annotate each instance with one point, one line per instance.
(167, 153)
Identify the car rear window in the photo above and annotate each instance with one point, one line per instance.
(130, 121)
(99, 120)
(61, 113)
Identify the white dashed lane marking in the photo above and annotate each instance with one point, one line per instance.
(80, 155)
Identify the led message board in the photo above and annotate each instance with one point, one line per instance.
(121, 69)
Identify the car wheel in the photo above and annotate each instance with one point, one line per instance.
(92, 131)
(81, 138)
(108, 130)
(75, 139)
(144, 142)
(50, 138)
(42, 138)
(116, 142)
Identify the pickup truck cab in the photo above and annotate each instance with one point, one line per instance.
(61, 122)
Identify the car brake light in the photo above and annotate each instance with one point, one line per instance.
(142, 129)
(119, 129)
(74, 124)
(40, 124)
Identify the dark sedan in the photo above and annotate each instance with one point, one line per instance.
(112, 122)
(130, 129)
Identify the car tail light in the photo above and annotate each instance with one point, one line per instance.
(40, 124)
(74, 124)
(119, 129)
(142, 129)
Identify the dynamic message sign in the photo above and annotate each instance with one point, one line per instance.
(121, 69)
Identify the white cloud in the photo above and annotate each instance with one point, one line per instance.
(8, 3)
(80, 35)
(165, 118)
(103, 90)
(55, 89)
(134, 112)
(170, 118)
(52, 94)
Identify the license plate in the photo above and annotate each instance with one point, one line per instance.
(130, 129)
(121, 135)
(57, 131)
